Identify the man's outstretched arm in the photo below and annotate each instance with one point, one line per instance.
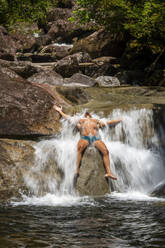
(114, 121)
(59, 110)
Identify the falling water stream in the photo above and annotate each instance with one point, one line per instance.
(58, 217)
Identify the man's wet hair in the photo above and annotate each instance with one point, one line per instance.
(87, 114)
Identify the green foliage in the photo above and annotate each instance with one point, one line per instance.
(144, 20)
(12, 11)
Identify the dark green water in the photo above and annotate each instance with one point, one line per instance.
(103, 222)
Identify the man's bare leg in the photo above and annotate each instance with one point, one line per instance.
(82, 144)
(102, 147)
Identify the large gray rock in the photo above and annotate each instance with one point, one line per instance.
(67, 66)
(80, 80)
(48, 77)
(91, 180)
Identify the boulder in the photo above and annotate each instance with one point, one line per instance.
(108, 81)
(91, 180)
(159, 190)
(23, 69)
(99, 43)
(7, 45)
(20, 172)
(67, 66)
(9, 73)
(25, 35)
(16, 157)
(92, 69)
(62, 31)
(57, 51)
(43, 40)
(59, 13)
(80, 80)
(48, 77)
(26, 109)
(70, 64)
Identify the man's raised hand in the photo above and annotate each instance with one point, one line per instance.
(58, 109)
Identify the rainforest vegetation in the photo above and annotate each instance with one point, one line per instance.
(142, 20)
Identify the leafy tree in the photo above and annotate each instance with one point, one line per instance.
(12, 11)
(144, 20)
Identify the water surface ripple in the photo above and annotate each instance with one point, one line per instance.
(108, 222)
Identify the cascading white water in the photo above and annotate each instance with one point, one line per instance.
(134, 150)
(137, 166)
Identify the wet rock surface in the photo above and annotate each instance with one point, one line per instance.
(91, 180)
(159, 190)
(16, 157)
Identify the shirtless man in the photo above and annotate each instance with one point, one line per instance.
(89, 128)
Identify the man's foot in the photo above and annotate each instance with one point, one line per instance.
(110, 176)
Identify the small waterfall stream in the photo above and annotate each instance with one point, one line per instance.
(134, 155)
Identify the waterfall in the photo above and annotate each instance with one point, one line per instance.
(134, 155)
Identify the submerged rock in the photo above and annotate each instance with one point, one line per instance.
(91, 180)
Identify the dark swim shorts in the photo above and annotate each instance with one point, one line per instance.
(90, 139)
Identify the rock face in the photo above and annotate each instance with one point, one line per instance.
(16, 157)
(159, 190)
(91, 180)
(25, 109)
